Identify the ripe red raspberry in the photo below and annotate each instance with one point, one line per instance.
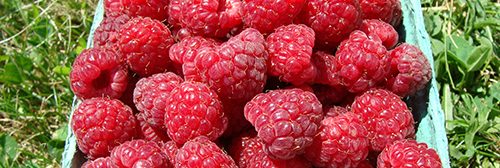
(150, 95)
(331, 20)
(334, 111)
(286, 120)
(363, 62)
(98, 72)
(201, 152)
(408, 153)
(106, 35)
(328, 95)
(100, 124)
(265, 16)
(174, 12)
(193, 110)
(170, 148)
(377, 29)
(149, 133)
(103, 162)
(290, 49)
(410, 70)
(388, 11)
(236, 70)
(145, 43)
(341, 142)
(187, 47)
(248, 152)
(327, 68)
(385, 116)
(210, 18)
(365, 164)
(156, 9)
(139, 153)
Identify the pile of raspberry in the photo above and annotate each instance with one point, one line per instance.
(249, 83)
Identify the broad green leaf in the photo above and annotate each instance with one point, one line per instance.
(10, 74)
(480, 55)
(495, 91)
(8, 148)
(437, 46)
(459, 46)
(24, 63)
(61, 133)
(4, 57)
(62, 70)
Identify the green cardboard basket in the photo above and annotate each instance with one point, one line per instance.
(425, 105)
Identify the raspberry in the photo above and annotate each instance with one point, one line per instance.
(103, 162)
(187, 47)
(128, 95)
(210, 18)
(149, 133)
(365, 164)
(363, 62)
(330, 94)
(170, 148)
(139, 153)
(98, 72)
(106, 35)
(327, 68)
(386, 117)
(156, 9)
(236, 70)
(290, 49)
(341, 142)
(410, 70)
(150, 95)
(331, 20)
(334, 111)
(248, 151)
(236, 119)
(265, 16)
(377, 29)
(145, 43)
(174, 12)
(286, 120)
(194, 110)
(388, 11)
(100, 124)
(408, 153)
(201, 152)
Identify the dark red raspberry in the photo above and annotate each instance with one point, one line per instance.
(194, 110)
(100, 124)
(248, 152)
(150, 95)
(174, 12)
(210, 18)
(265, 16)
(107, 34)
(363, 62)
(328, 95)
(201, 152)
(377, 29)
(236, 119)
(156, 9)
(410, 70)
(327, 68)
(331, 20)
(302, 87)
(103, 162)
(139, 153)
(187, 47)
(290, 49)
(365, 164)
(170, 148)
(149, 133)
(128, 95)
(388, 11)
(145, 43)
(98, 72)
(236, 70)
(341, 142)
(385, 116)
(334, 111)
(408, 153)
(286, 120)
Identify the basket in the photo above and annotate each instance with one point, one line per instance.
(425, 106)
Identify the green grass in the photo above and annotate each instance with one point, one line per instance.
(39, 40)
